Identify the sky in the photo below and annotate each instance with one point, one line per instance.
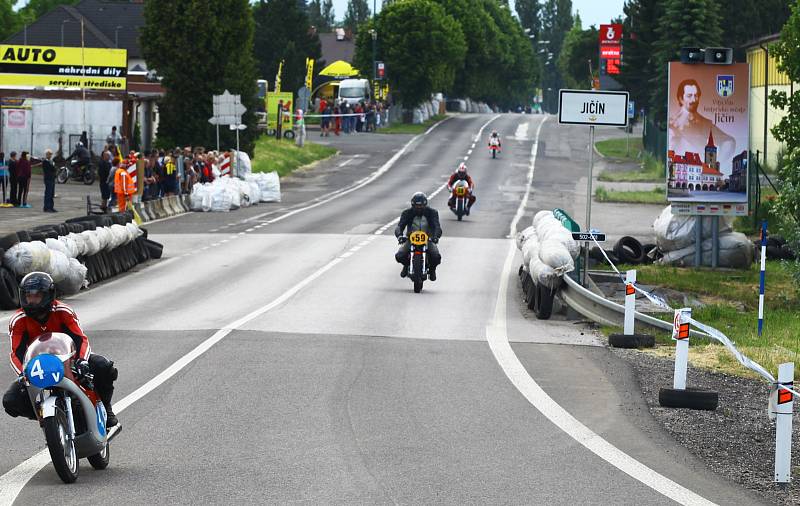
(593, 12)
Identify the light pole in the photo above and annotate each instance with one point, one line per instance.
(116, 35)
(62, 30)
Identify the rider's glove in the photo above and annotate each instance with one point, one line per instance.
(402, 239)
(81, 368)
(435, 240)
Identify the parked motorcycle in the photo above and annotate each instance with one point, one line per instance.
(72, 171)
(418, 261)
(494, 146)
(68, 409)
(460, 199)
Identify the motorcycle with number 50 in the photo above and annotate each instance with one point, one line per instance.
(460, 199)
(69, 410)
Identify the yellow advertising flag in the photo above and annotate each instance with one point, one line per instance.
(309, 72)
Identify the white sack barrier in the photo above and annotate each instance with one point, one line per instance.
(59, 266)
(548, 250)
(58, 245)
(75, 278)
(523, 236)
(270, 185)
(675, 232)
(735, 251)
(555, 255)
(92, 244)
(26, 257)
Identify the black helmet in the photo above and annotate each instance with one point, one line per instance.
(37, 291)
(419, 199)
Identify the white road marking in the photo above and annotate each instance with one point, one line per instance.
(522, 132)
(497, 337)
(469, 152)
(251, 229)
(346, 162)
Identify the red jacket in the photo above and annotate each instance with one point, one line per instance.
(23, 330)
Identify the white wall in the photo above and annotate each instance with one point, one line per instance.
(52, 120)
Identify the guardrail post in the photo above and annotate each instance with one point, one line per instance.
(630, 302)
(680, 333)
(783, 425)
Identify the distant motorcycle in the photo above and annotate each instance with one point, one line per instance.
(72, 171)
(418, 261)
(68, 409)
(460, 199)
(494, 146)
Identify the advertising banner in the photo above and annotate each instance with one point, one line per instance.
(274, 99)
(610, 49)
(708, 137)
(55, 67)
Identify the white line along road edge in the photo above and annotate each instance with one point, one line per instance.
(497, 337)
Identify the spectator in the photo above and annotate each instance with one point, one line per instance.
(150, 181)
(337, 119)
(124, 188)
(279, 124)
(23, 180)
(323, 104)
(169, 184)
(12, 175)
(49, 173)
(326, 122)
(85, 140)
(189, 172)
(4, 180)
(359, 110)
(103, 173)
(113, 140)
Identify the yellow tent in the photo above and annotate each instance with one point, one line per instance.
(339, 68)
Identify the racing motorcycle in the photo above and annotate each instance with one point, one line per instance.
(68, 409)
(460, 199)
(72, 171)
(418, 261)
(494, 146)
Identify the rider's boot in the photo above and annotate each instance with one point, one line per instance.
(404, 272)
(105, 396)
(432, 274)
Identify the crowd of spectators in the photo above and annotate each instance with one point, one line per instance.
(340, 116)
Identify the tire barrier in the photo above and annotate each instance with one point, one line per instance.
(77, 253)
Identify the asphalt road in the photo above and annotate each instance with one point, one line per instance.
(291, 363)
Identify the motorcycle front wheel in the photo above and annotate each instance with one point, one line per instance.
(418, 276)
(61, 447)
(63, 175)
(100, 460)
(494, 153)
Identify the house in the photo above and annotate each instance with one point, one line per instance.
(106, 25)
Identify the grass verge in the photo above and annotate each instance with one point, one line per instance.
(729, 303)
(655, 196)
(651, 171)
(284, 157)
(408, 128)
(618, 148)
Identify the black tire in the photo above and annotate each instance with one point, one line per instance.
(38, 236)
(62, 176)
(416, 263)
(418, 286)
(62, 449)
(628, 249)
(100, 460)
(544, 302)
(530, 295)
(9, 290)
(646, 249)
(88, 224)
(460, 217)
(774, 253)
(8, 240)
(88, 176)
(288, 134)
(776, 240)
(787, 253)
(632, 341)
(24, 236)
(62, 229)
(494, 153)
(691, 398)
(75, 228)
(155, 249)
(596, 253)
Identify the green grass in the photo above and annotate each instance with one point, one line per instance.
(730, 304)
(618, 148)
(655, 196)
(284, 157)
(408, 128)
(651, 171)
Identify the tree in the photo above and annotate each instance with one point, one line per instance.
(356, 14)
(283, 33)
(787, 50)
(684, 23)
(556, 22)
(639, 37)
(422, 46)
(9, 20)
(34, 9)
(320, 15)
(529, 17)
(225, 42)
(580, 47)
(328, 16)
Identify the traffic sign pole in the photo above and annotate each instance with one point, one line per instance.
(588, 202)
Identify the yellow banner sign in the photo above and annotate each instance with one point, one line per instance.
(58, 67)
(309, 72)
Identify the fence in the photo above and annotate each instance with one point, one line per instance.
(654, 139)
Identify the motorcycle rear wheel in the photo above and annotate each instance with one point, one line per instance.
(100, 460)
(88, 176)
(62, 449)
(63, 175)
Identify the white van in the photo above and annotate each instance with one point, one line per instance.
(354, 90)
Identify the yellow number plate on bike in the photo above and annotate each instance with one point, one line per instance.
(418, 238)
(461, 191)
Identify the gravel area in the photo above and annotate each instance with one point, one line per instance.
(737, 440)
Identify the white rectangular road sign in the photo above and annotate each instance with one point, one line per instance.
(585, 107)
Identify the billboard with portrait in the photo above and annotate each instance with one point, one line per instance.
(708, 138)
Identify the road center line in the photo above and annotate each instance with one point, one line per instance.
(497, 337)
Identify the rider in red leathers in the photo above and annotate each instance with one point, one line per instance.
(461, 175)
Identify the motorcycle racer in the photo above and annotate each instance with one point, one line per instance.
(419, 217)
(460, 174)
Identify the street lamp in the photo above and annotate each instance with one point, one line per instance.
(374, 34)
(62, 30)
(116, 35)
